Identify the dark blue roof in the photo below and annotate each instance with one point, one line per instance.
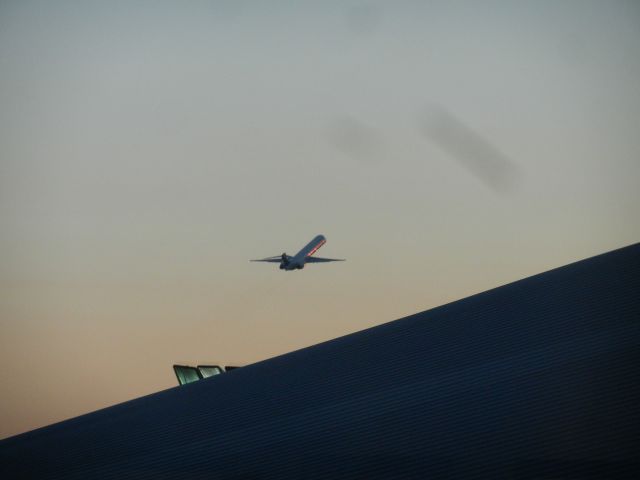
(536, 379)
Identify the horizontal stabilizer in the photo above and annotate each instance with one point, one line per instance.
(276, 259)
(321, 260)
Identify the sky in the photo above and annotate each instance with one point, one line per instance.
(149, 149)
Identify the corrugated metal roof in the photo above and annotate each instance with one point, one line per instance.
(535, 379)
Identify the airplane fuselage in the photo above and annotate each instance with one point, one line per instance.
(297, 261)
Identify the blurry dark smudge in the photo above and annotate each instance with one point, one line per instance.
(362, 19)
(354, 138)
(474, 152)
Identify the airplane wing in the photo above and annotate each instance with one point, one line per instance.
(276, 259)
(321, 260)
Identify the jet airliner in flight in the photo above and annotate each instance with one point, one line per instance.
(304, 256)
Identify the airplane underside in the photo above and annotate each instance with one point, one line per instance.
(289, 267)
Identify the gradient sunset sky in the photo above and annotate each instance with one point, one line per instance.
(148, 150)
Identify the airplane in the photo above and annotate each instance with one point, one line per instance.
(304, 256)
